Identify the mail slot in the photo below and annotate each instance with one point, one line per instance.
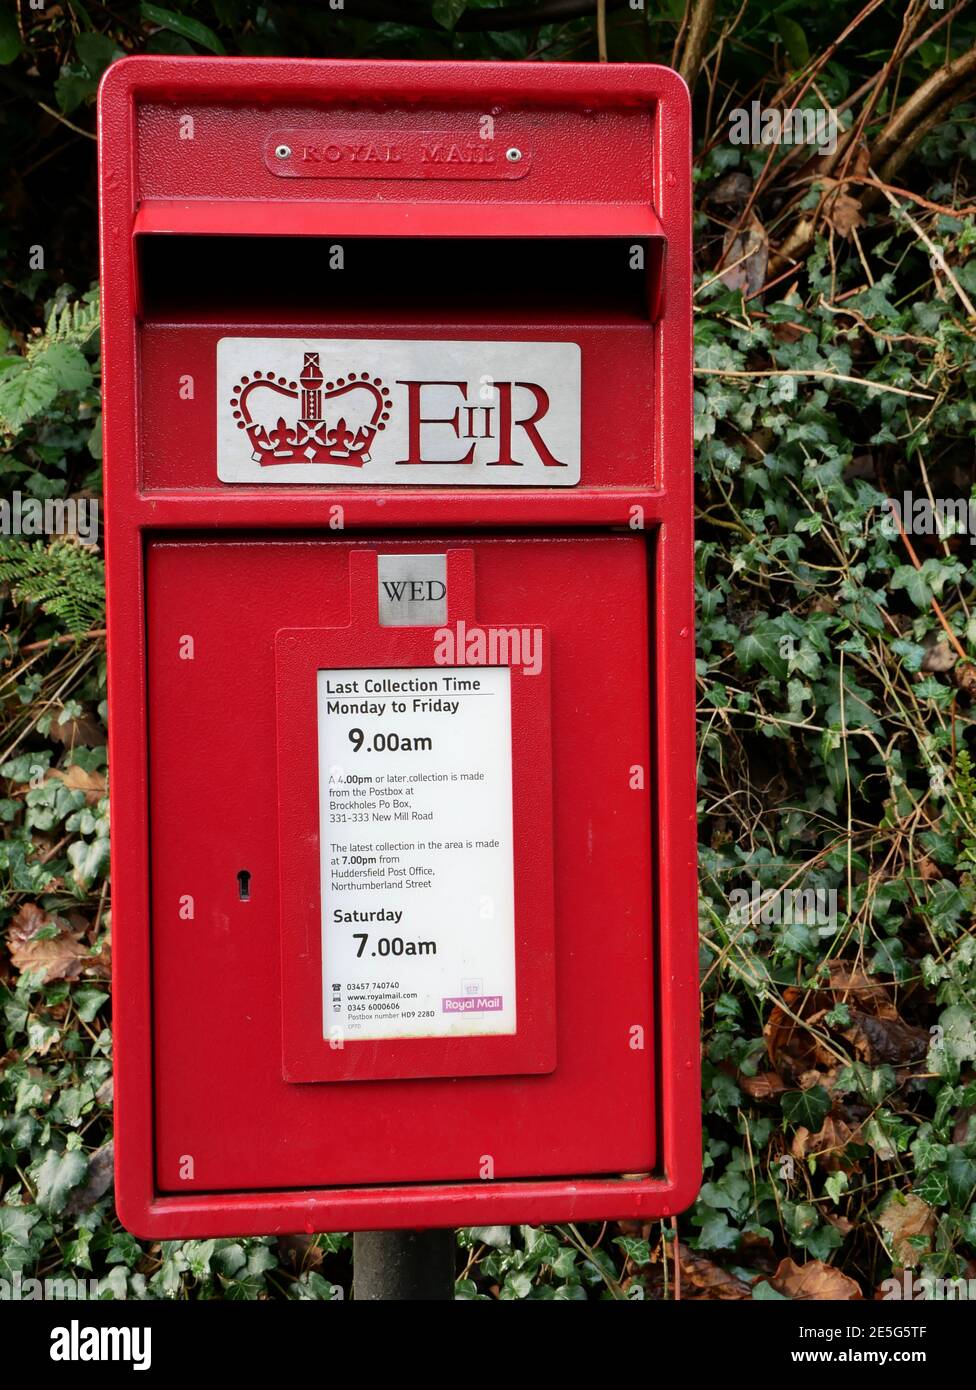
(398, 477)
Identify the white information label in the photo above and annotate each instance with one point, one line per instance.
(400, 411)
(418, 913)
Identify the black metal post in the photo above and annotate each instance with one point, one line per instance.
(408, 1266)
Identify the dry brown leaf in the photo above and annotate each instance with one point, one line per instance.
(76, 779)
(764, 1086)
(786, 332)
(906, 1215)
(939, 656)
(58, 957)
(843, 213)
(299, 1252)
(861, 163)
(849, 980)
(746, 256)
(891, 1040)
(709, 1279)
(85, 730)
(802, 1051)
(640, 1230)
(732, 190)
(100, 1170)
(814, 1280)
(964, 674)
(861, 466)
(827, 1144)
(964, 1129)
(790, 1047)
(928, 869)
(813, 1077)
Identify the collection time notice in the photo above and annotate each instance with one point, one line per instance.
(415, 805)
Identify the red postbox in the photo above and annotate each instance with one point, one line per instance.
(399, 528)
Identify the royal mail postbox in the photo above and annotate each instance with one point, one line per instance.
(398, 477)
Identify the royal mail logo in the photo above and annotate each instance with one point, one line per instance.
(398, 411)
(473, 1004)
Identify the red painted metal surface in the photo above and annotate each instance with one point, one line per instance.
(218, 977)
(611, 1130)
(207, 218)
(615, 438)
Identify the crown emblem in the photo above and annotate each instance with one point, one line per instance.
(311, 420)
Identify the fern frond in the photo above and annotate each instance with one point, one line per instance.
(67, 580)
(75, 322)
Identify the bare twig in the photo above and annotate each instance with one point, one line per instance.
(935, 605)
(933, 251)
(79, 130)
(903, 125)
(828, 376)
(63, 641)
(917, 134)
(699, 15)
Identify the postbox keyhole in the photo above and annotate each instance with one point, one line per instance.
(243, 885)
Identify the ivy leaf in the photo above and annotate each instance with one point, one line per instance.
(74, 86)
(807, 1108)
(88, 1001)
(961, 1174)
(183, 25)
(910, 579)
(922, 584)
(857, 711)
(517, 1285)
(570, 1293)
(717, 1233)
(911, 653)
(889, 959)
(57, 1175)
(933, 1188)
(16, 1224)
(795, 40)
(495, 1236)
(88, 858)
(635, 1249)
(761, 647)
(448, 12)
(96, 51)
(10, 43)
(959, 1027)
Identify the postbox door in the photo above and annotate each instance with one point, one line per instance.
(557, 1079)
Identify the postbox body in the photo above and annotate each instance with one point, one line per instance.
(398, 489)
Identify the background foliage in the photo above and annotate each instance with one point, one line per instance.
(835, 299)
